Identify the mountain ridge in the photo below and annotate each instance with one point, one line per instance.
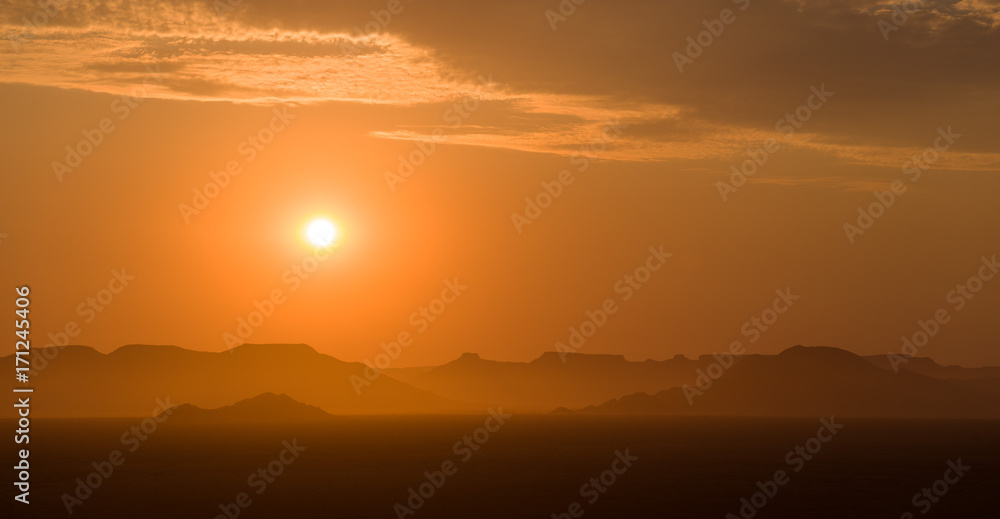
(79, 381)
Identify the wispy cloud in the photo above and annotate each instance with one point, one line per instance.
(105, 47)
(252, 66)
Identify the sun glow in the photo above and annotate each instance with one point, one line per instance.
(321, 232)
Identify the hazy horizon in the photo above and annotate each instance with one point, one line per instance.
(401, 364)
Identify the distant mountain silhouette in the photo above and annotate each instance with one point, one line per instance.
(590, 379)
(81, 382)
(816, 381)
(264, 408)
(548, 382)
(927, 366)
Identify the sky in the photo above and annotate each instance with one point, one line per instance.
(500, 170)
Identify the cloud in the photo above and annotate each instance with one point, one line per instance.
(554, 90)
(253, 66)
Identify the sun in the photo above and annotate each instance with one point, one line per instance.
(321, 232)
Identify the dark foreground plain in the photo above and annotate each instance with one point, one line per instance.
(533, 466)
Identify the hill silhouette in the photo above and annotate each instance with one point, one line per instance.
(591, 379)
(81, 382)
(263, 408)
(548, 382)
(927, 366)
(816, 381)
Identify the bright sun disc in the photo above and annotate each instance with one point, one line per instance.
(321, 233)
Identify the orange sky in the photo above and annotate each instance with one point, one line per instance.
(506, 104)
